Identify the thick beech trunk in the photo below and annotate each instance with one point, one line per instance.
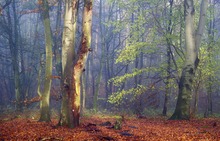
(68, 53)
(193, 42)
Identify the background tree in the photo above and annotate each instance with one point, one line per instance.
(45, 95)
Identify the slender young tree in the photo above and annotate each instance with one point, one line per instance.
(57, 41)
(210, 49)
(12, 32)
(193, 41)
(102, 44)
(168, 54)
(45, 95)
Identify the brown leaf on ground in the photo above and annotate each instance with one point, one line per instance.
(91, 128)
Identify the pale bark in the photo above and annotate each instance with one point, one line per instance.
(68, 53)
(82, 55)
(193, 42)
(83, 90)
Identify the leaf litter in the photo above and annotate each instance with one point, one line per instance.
(101, 129)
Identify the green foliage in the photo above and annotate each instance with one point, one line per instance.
(131, 52)
(119, 80)
(117, 97)
(134, 48)
(145, 31)
(208, 67)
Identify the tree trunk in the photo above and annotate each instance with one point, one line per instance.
(103, 46)
(169, 51)
(57, 43)
(18, 87)
(208, 110)
(195, 103)
(83, 90)
(79, 66)
(12, 39)
(45, 99)
(68, 53)
(193, 42)
(209, 83)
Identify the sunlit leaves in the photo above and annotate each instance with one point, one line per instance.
(131, 52)
(119, 80)
(137, 23)
(116, 98)
(134, 47)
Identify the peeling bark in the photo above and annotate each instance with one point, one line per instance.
(81, 59)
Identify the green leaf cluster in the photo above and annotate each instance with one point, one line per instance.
(119, 80)
(129, 53)
(209, 68)
(146, 32)
(117, 97)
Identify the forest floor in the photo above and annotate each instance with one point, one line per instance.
(100, 128)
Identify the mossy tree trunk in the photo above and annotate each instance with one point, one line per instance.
(193, 42)
(68, 53)
(194, 108)
(82, 55)
(45, 95)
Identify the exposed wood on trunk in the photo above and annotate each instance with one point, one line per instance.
(81, 60)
